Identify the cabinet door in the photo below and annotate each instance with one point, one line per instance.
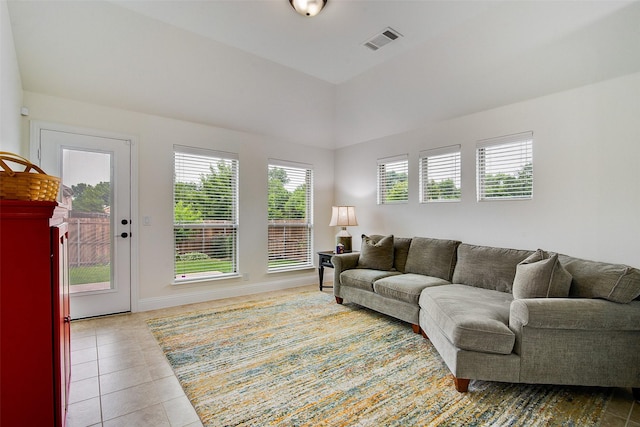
(61, 320)
(26, 309)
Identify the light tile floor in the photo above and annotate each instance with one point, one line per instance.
(120, 376)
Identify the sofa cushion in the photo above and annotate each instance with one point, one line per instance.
(406, 287)
(471, 318)
(363, 278)
(400, 252)
(541, 276)
(432, 257)
(592, 279)
(487, 267)
(376, 253)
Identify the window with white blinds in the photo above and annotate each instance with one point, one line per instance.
(505, 167)
(393, 180)
(205, 214)
(440, 175)
(290, 216)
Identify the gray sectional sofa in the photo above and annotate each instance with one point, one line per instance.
(500, 314)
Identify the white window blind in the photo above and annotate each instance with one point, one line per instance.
(205, 212)
(393, 180)
(440, 174)
(505, 167)
(290, 216)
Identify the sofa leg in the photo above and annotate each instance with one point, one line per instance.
(416, 328)
(424, 334)
(636, 394)
(339, 300)
(462, 384)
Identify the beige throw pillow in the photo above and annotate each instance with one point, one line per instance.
(376, 254)
(541, 276)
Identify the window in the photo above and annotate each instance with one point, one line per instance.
(393, 181)
(290, 216)
(440, 174)
(205, 214)
(505, 167)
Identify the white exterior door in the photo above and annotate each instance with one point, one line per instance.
(96, 187)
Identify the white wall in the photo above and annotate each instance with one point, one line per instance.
(101, 53)
(586, 177)
(10, 87)
(156, 136)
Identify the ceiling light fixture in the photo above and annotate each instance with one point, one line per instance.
(308, 7)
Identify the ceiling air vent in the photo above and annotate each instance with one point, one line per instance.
(385, 37)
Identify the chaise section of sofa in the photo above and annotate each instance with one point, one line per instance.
(468, 322)
(588, 336)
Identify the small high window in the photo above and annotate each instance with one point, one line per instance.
(393, 180)
(440, 175)
(505, 167)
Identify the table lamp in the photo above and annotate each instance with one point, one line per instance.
(343, 216)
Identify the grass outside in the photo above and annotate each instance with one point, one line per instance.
(89, 274)
(203, 265)
(102, 273)
(285, 263)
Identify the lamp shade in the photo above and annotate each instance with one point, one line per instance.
(308, 7)
(343, 216)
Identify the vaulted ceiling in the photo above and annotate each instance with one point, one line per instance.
(258, 66)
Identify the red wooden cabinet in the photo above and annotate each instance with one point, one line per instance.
(34, 315)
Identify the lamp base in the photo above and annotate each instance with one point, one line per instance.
(343, 238)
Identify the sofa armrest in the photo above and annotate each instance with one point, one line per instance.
(341, 263)
(577, 341)
(574, 314)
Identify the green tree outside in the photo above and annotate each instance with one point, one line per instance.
(210, 197)
(501, 185)
(399, 191)
(285, 204)
(442, 190)
(90, 198)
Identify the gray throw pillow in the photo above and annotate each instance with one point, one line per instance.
(376, 254)
(541, 276)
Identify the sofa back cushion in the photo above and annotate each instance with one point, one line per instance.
(400, 252)
(432, 257)
(593, 279)
(487, 267)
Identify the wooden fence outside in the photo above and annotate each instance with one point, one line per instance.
(90, 241)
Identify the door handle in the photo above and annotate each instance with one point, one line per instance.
(124, 235)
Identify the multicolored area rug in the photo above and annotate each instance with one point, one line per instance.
(304, 360)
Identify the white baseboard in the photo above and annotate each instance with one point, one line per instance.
(155, 303)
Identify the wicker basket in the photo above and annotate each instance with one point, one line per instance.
(26, 185)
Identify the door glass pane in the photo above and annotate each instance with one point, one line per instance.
(86, 189)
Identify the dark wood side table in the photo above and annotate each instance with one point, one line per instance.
(324, 260)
